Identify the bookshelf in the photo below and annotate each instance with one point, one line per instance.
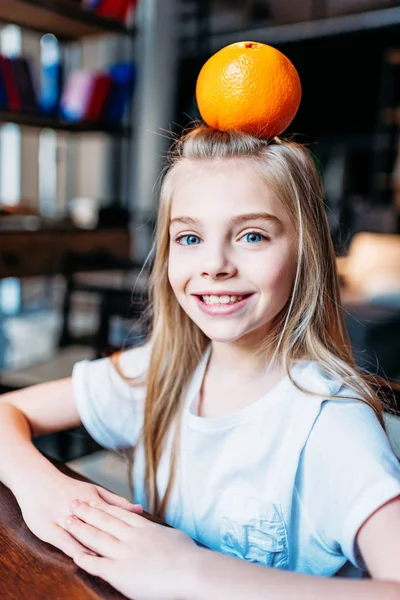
(385, 20)
(66, 19)
(69, 22)
(26, 253)
(39, 121)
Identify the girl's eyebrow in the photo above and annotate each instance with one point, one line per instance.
(235, 220)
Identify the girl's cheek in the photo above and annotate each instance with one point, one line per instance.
(177, 277)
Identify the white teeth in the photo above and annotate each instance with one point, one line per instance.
(222, 299)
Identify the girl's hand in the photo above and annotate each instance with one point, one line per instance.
(141, 559)
(46, 505)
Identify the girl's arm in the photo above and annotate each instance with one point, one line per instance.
(27, 413)
(129, 550)
(213, 575)
(42, 492)
(379, 542)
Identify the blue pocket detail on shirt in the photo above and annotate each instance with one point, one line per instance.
(262, 540)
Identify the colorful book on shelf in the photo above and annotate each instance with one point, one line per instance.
(122, 83)
(76, 95)
(21, 67)
(98, 97)
(85, 96)
(3, 92)
(14, 102)
(90, 4)
(115, 9)
(51, 78)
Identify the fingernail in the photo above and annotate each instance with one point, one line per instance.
(75, 504)
(94, 503)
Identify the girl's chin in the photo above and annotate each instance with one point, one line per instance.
(222, 335)
(216, 333)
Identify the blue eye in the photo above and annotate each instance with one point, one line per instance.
(252, 237)
(191, 240)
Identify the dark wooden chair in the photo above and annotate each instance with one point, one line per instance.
(114, 301)
(76, 270)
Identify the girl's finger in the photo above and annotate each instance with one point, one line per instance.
(132, 519)
(66, 543)
(95, 565)
(99, 517)
(102, 543)
(115, 500)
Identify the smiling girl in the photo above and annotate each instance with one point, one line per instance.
(254, 432)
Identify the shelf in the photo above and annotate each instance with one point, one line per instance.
(64, 18)
(41, 122)
(382, 19)
(43, 252)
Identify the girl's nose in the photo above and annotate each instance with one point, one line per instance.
(217, 264)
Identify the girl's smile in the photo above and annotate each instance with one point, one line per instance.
(224, 304)
(231, 261)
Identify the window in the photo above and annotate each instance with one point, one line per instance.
(10, 134)
(10, 164)
(48, 172)
(10, 176)
(49, 58)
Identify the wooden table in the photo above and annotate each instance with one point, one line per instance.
(33, 570)
(43, 252)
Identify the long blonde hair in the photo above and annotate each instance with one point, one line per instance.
(310, 327)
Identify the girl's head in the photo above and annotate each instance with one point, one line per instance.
(244, 217)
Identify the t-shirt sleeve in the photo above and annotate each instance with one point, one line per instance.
(347, 471)
(110, 408)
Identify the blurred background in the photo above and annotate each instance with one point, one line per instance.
(91, 93)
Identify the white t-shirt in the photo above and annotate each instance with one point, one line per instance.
(286, 481)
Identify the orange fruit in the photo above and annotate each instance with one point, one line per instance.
(251, 87)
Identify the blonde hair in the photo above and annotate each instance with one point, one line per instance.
(310, 327)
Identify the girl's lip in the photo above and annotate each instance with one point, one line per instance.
(223, 294)
(221, 309)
